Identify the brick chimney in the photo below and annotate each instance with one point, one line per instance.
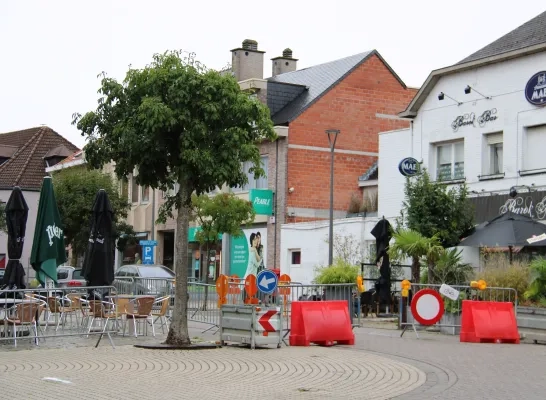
(285, 63)
(247, 61)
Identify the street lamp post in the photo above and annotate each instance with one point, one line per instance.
(332, 137)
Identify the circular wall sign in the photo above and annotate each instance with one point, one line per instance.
(409, 166)
(427, 307)
(535, 90)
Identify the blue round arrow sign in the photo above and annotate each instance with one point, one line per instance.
(267, 281)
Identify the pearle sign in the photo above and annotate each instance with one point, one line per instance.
(535, 90)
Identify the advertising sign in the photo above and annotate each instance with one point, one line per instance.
(248, 252)
(262, 201)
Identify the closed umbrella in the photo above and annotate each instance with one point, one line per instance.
(382, 232)
(16, 221)
(508, 230)
(98, 265)
(48, 250)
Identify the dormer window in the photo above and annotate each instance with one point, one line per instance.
(56, 155)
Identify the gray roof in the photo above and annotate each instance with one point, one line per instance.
(529, 34)
(317, 80)
(371, 174)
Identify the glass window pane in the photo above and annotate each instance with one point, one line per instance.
(444, 154)
(262, 183)
(459, 170)
(145, 194)
(459, 152)
(134, 190)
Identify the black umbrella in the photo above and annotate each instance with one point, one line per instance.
(508, 230)
(16, 221)
(98, 265)
(382, 232)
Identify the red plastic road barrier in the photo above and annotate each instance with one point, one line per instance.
(488, 322)
(320, 322)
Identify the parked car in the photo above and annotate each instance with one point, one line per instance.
(69, 277)
(154, 280)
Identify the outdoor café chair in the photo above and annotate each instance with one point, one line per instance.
(159, 311)
(142, 313)
(55, 307)
(101, 311)
(23, 314)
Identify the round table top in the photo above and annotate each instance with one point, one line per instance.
(128, 296)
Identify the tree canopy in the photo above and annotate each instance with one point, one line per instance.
(435, 210)
(75, 190)
(175, 121)
(3, 226)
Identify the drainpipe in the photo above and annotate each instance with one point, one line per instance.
(276, 201)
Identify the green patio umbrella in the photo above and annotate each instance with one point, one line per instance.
(48, 251)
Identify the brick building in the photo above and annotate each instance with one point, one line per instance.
(357, 95)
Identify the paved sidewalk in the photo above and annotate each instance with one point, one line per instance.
(224, 373)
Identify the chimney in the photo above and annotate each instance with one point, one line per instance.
(285, 63)
(247, 61)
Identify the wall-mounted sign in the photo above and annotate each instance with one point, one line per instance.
(470, 119)
(409, 166)
(262, 201)
(535, 90)
(531, 204)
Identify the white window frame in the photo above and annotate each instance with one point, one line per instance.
(493, 142)
(529, 165)
(150, 194)
(133, 183)
(453, 144)
(290, 255)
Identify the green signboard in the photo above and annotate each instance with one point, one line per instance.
(193, 230)
(262, 201)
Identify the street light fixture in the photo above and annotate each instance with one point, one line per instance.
(332, 137)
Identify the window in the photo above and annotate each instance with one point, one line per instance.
(77, 274)
(295, 257)
(533, 148)
(261, 183)
(494, 154)
(145, 194)
(450, 161)
(134, 190)
(62, 274)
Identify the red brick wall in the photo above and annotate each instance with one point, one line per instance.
(351, 107)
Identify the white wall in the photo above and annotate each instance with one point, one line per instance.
(311, 239)
(32, 199)
(506, 83)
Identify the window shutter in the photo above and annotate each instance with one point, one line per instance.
(494, 138)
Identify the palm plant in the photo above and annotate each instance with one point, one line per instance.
(412, 244)
(449, 269)
(537, 288)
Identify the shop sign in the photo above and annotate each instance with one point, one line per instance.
(262, 201)
(409, 166)
(532, 204)
(470, 119)
(193, 230)
(535, 90)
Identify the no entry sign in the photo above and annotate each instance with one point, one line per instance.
(427, 307)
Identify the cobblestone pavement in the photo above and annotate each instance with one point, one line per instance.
(224, 373)
(462, 370)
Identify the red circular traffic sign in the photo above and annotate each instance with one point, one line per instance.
(427, 307)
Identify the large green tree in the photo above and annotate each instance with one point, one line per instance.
(223, 213)
(75, 190)
(177, 122)
(435, 209)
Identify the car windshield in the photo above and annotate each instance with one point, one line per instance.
(77, 274)
(155, 272)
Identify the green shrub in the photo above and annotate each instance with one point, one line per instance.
(537, 288)
(340, 272)
(500, 273)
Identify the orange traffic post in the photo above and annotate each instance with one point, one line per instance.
(251, 289)
(221, 289)
(284, 290)
(234, 288)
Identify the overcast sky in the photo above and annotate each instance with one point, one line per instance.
(52, 51)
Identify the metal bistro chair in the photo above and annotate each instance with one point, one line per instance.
(159, 311)
(23, 314)
(142, 313)
(101, 311)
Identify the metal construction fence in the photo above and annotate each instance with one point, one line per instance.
(41, 314)
(450, 322)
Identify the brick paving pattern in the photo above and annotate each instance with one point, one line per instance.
(229, 372)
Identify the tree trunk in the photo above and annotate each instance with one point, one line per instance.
(178, 331)
(74, 260)
(416, 270)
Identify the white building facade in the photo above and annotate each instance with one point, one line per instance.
(481, 122)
